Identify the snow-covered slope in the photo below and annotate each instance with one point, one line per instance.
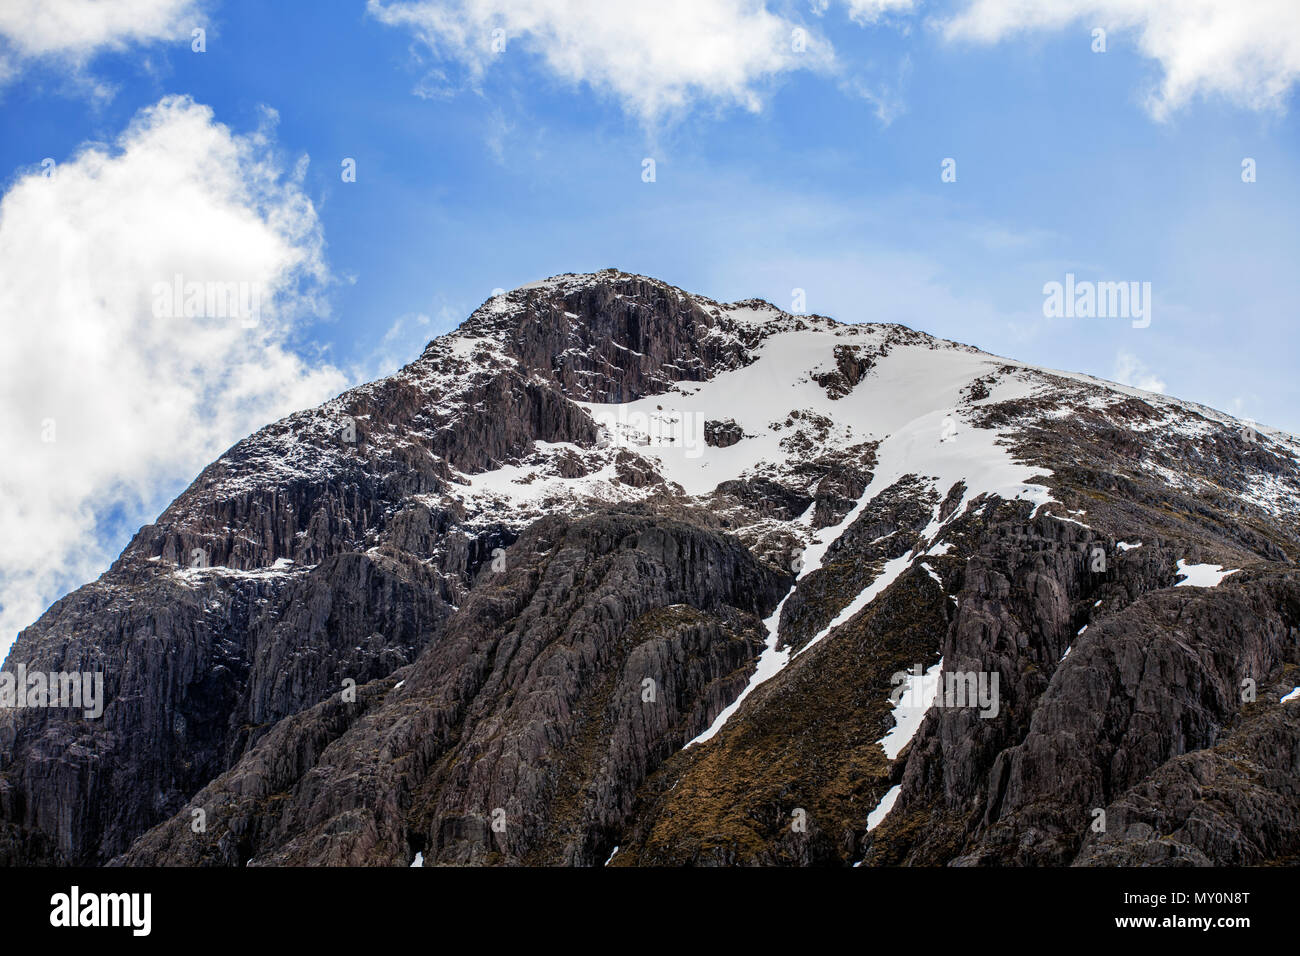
(919, 406)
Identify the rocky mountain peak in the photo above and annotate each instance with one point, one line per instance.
(611, 336)
(626, 566)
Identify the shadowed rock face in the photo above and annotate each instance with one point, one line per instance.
(557, 687)
(193, 675)
(448, 613)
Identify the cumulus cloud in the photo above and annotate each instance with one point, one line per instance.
(107, 404)
(655, 58)
(1132, 371)
(1245, 50)
(71, 32)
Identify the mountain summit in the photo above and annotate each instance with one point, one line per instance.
(618, 574)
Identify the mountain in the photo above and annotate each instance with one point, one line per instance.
(617, 574)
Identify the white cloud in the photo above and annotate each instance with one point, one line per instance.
(655, 58)
(138, 403)
(870, 11)
(1131, 371)
(1245, 50)
(73, 31)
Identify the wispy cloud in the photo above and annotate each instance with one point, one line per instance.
(1132, 371)
(871, 11)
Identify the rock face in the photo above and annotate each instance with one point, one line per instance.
(542, 709)
(615, 565)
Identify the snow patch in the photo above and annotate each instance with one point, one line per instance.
(907, 719)
(1202, 575)
(877, 816)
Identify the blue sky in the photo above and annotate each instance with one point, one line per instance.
(478, 170)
